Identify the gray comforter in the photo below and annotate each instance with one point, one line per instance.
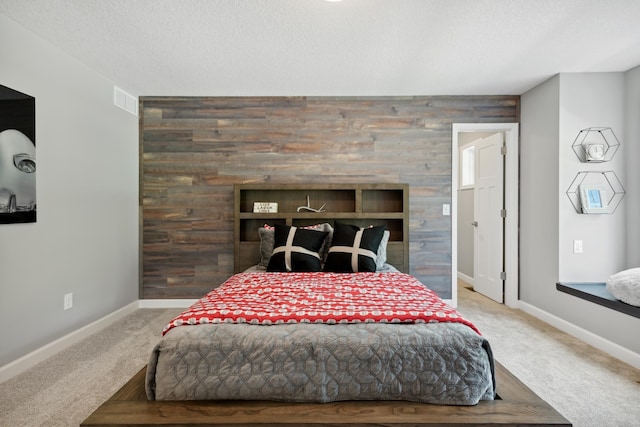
(441, 363)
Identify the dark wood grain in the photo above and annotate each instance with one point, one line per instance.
(517, 406)
(193, 150)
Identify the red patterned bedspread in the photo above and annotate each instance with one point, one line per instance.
(276, 298)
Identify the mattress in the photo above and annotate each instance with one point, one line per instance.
(322, 337)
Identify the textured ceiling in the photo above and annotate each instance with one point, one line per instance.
(353, 47)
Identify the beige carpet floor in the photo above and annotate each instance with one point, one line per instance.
(584, 384)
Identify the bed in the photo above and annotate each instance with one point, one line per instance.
(322, 337)
(323, 330)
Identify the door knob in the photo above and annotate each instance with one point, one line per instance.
(474, 223)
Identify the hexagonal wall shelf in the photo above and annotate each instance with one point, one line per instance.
(595, 145)
(608, 180)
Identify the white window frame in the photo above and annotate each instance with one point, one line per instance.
(467, 166)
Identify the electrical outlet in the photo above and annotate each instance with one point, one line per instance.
(446, 209)
(68, 301)
(577, 246)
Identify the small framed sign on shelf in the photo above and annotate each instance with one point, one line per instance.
(593, 199)
(265, 207)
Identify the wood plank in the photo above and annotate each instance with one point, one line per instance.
(517, 405)
(194, 149)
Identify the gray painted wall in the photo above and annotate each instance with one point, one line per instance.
(590, 100)
(551, 116)
(632, 151)
(86, 237)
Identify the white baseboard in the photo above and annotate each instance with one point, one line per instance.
(465, 278)
(597, 341)
(30, 360)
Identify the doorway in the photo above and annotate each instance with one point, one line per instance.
(462, 134)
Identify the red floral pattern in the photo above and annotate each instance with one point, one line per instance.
(331, 298)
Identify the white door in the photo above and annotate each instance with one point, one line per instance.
(488, 220)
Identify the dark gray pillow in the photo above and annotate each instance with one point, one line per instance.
(266, 245)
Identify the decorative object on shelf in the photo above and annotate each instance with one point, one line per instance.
(265, 207)
(595, 145)
(594, 152)
(309, 208)
(595, 192)
(593, 198)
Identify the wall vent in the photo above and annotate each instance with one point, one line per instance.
(125, 101)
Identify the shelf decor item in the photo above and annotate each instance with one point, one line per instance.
(265, 207)
(594, 199)
(595, 145)
(595, 192)
(309, 208)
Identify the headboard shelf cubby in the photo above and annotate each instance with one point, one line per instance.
(359, 204)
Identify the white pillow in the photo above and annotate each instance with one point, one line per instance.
(625, 286)
(381, 259)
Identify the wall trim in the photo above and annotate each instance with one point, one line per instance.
(613, 349)
(30, 360)
(465, 278)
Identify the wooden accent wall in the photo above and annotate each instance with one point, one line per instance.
(192, 151)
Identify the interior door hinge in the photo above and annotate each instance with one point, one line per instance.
(503, 213)
(503, 150)
(503, 275)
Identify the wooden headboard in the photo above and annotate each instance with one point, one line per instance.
(359, 204)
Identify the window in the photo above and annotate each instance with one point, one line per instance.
(467, 166)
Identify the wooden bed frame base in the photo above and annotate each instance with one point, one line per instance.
(516, 405)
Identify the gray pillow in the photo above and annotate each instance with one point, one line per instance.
(381, 259)
(267, 240)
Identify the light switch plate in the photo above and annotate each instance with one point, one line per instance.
(68, 301)
(577, 246)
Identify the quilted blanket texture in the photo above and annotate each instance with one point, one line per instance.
(313, 360)
(276, 298)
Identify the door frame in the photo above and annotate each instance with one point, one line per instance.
(511, 186)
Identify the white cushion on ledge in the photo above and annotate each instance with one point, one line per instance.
(625, 286)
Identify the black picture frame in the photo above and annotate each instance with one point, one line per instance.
(17, 157)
